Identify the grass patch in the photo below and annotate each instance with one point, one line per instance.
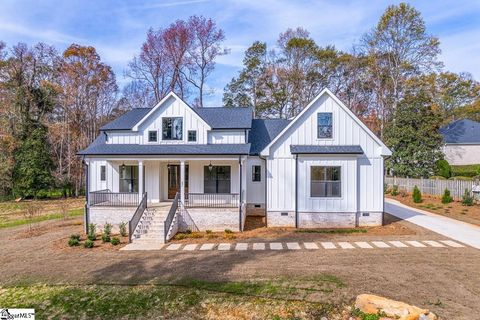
(4, 223)
(333, 231)
(189, 299)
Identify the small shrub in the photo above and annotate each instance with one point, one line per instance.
(188, 231)
(88, 243)
(446, 198)
(123, 229)
(467, 199)
(229, 236)
(92, 232)
(115, 241)
(394, 190)
(180, 236)
(443, 169)
(107, 228)
(105, 237)
(196, 235)
(417, 195)
(75, 236)
(73, 242)
(208, 231)
(212, 236)
(228, 231)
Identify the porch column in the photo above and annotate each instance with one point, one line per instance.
(182, 181)
(140, 180)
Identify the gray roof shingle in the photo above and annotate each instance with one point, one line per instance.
(313, 149)
(99, 147)
(263, 132)
(217, 118)
(464, 131)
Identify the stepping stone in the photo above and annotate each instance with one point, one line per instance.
(452, 243)
(416, 244)
(259, 246)
(328, 245)
(241, 246)
(224, 246)
(190, 247)
(398, 244)
(276, 246)
(293, 246)
(207, 246)
(434, 244)
(346, 245)
(174, 246)
(363, 245)
(310, 245)
(380, 244)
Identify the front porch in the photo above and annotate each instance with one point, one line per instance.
(208, 193)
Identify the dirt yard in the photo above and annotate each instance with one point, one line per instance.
(454, 210)
(445, 280)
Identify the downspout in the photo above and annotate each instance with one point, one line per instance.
(240, 204)
(265, 182)
(87, 200)
(296, 190)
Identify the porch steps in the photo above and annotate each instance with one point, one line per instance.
(150, 229)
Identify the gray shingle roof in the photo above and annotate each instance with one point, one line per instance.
(127, 120)
(463, 131)
(312, 149)
(263, 132)
(226, 118)
(217, 118)
(99, 147)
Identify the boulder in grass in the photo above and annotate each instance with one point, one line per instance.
(369, 303)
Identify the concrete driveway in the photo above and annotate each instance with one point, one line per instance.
(458, 230)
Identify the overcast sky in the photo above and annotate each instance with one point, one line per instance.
(118, 28)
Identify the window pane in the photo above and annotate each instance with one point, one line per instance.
(324, 123)
(103, 173)
(217, 180)
(192, 136)
(152, 136)
(325, 181)
(256, 173)
(129, 179)
(172, 128)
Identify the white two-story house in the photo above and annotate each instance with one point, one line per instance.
(173, 167)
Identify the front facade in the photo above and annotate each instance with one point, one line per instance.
(462, 142)
(323, 168)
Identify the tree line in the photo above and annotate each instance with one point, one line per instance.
(53, 104)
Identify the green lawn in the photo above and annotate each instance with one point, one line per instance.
(4, 223)
(190, 299)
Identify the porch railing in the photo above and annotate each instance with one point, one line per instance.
(132, 224)
(212, 200)
(171, 214)
(113, 199)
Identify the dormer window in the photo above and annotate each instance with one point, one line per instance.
(192, 136)
(324, 125)
(172, 128)
(152, 136)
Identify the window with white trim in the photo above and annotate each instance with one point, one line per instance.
(152, 136)
(192, 135)
(103, 173)
(325, 182)
(256, 173)
(324, 125)
(172, 128)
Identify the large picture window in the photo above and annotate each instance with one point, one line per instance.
(216, 180)
(172, 128)
(128, 178)
(324, 125)
(325, 182)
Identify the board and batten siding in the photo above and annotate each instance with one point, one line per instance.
(362, 175)
(226, 136)
(119, 137)
(255, 189)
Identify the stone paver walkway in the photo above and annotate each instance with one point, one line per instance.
(341, 245)
(457, 230)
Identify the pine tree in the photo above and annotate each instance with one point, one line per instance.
(446, 198)
(417, 195)
(33, 164)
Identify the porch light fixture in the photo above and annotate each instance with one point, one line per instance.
(122, 167)
(168, 166)
(210, 167)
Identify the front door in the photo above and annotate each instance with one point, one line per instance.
(174, 180)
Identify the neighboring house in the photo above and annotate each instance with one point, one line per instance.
(324, 168)
(462, 142)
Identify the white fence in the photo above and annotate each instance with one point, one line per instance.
(434, 187)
